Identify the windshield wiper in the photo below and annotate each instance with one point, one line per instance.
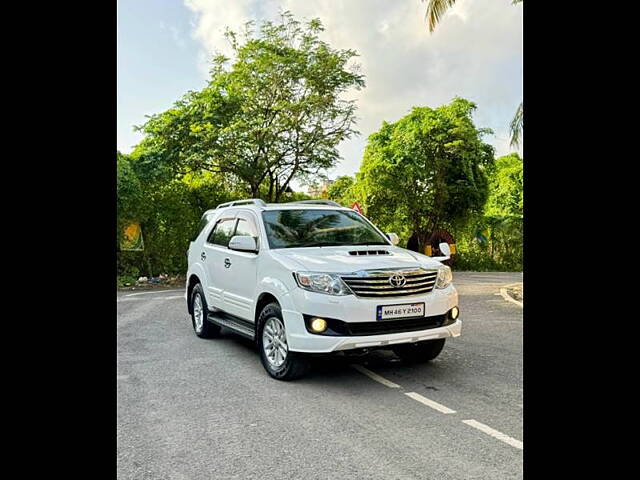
(316, 244)
(369, 243)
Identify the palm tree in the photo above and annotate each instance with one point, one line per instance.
(437, 8)
(435, 11)
(517, 126)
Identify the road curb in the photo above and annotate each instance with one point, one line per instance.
(509, 298)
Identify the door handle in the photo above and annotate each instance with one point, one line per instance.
(203, 256)
(227, 263)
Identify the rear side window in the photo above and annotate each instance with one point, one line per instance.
(222, 232)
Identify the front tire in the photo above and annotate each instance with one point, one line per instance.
(202, 327)
(419, 352)
(276, 358)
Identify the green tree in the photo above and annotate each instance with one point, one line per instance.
(493, 241)
(506, 187)
(341, 190)
(435, 11)
(276, 114)
(427, 170)
(128, 190)
(168, 207)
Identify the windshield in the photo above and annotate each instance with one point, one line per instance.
(318, 228)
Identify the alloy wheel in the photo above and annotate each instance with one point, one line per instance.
(198, 312)
(274, 342)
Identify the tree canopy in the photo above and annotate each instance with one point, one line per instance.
(427, 170)
(506, 187)
(276, 114)
(341, 190)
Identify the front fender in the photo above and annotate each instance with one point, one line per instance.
(282, 294)
(278, 289)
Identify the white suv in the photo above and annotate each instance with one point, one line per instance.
(314, 277)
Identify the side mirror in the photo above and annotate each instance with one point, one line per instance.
(445, 249)
(394, 238)
(243, 243)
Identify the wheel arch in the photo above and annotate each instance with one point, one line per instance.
(193, 281)
(264, 299)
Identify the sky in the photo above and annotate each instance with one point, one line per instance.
(475, 52)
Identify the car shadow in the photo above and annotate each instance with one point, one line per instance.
(332, 366)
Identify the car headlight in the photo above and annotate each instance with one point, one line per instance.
(445, 277)
(328, 283)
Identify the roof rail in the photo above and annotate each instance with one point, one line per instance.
(249, 201)
(319, 202)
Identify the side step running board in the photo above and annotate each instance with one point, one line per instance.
(237, 325)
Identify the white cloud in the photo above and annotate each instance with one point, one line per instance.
(475, 52)
(175, 34)
(459, 9)
(212, 17)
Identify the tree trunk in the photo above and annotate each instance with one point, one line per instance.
(422, 236)
(270, 187)
(278, 191)
(423, 239)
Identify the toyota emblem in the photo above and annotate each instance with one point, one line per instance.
(397, 281)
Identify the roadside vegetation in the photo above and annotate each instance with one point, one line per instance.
(276, 113)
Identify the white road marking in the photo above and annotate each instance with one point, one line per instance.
(429, 403)
(494, 433)
(172, 297)
(147, 293)
(496, 321)
(375, 376)
(508, 298)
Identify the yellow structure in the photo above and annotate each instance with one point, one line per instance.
(428, 251)
(132, 237)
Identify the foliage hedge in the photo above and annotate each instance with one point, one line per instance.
(169, 214)
(489, 241)
(169, 209)
(490, 244)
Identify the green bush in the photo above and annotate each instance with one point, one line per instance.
(168, 208)
(125, 280)
(490, 243)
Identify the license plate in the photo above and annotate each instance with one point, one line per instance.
(405, 310)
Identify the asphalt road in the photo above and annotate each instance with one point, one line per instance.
(202, 409)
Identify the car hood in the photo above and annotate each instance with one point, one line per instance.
(339, 260)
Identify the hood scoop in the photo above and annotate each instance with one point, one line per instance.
(359, 253)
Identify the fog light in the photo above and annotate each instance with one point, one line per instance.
(455, 311)
(318, 325)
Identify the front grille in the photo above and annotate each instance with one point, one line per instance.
(395, 326)
(375, 283)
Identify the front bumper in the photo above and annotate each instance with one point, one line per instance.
(353, 309)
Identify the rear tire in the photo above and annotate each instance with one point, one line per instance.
(419, 352)
(276, 358)
(202, 327)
